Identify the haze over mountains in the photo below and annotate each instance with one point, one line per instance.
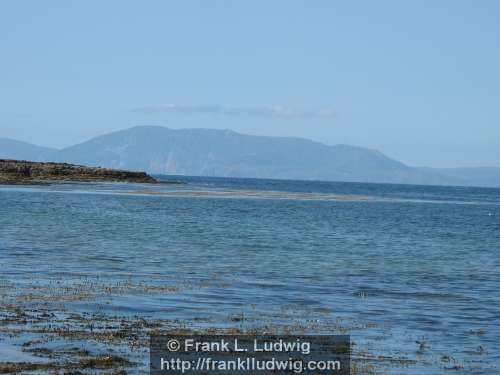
(12, 149)
(209, 152)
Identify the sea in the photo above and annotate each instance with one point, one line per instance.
(411, 273)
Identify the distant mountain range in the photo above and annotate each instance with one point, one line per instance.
(209, 152)
(12, 149)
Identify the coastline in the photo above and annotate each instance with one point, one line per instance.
(23, 172)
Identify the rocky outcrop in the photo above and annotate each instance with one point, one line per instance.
(26, 172)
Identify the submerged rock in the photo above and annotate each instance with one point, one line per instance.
(29, 172)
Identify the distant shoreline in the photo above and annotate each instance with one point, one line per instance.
(23, 172)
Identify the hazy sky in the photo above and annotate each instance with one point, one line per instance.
(417, 80)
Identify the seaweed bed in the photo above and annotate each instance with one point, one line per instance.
(42, 332)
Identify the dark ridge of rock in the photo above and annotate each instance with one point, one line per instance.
(29, 172)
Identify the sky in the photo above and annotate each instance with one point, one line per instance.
(416, 80)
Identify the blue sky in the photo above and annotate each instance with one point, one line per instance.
(417, 80)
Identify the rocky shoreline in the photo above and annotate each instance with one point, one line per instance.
(29, 172)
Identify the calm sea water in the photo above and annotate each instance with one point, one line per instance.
(395, 264)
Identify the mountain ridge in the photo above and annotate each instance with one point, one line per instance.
(226, 153)
(14, 149)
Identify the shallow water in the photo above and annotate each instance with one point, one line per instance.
(390, 264)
